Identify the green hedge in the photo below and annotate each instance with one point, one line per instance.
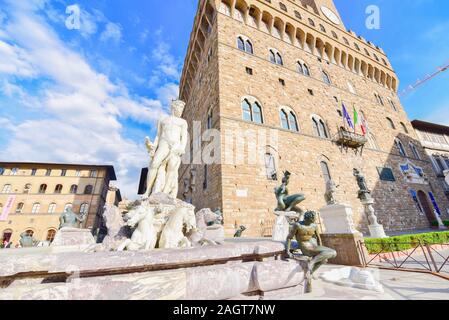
(405, 242)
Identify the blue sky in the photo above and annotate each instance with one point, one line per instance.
(92, 94)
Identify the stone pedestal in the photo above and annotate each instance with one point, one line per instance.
(350, 251)
(73, 237)
(376, 230)
(338, 219)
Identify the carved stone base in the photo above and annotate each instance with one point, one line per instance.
(350, 252)
(338, 219)
(377, 231)
(73, 237)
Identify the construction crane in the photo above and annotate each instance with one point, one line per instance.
(426, 79)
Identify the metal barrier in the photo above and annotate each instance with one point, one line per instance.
(422, 257)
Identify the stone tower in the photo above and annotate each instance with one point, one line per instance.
(283, 70)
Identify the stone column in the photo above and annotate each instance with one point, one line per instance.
(376, 230)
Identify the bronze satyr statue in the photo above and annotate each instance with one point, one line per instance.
(285, 201)
(239, 232)
(309, 242)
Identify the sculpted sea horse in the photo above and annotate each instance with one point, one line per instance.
(286, 202)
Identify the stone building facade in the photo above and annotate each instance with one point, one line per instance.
(435, 140)
(33, 196)
(283, 70)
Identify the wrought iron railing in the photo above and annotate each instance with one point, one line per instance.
(422, 257)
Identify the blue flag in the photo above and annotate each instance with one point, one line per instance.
(347, 116)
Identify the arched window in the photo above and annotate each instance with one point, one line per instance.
(7, 188)
(252, 111)
(325, 171)
(356, 46)
(298, 15)
(282, 6)
(322, 28)
(249, 47)
(84, 209)
(284, 120)
(42, 188)
(319, 127)
(400, 147)
(306, 70)
(51, 235)
(88, 189)
(404, 127)
(288, 120)
(241, 43)
(52, 208)
(58, 189)
(346, 41)
(334, 35)
(19, 208)
(323, 130)
(74, 189)
(311, 22)
(300, 68)
(326, 78)
(272, 56)
(36, 208)
(392, 104)
(68, 206)
(6, 235)
(391, 123)
(415, 151)
(27, 188)
(257, 113)
(293, 122)
(270, 166)
(279, 60)
(367, 52)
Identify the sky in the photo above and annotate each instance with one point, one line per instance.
(90, 93)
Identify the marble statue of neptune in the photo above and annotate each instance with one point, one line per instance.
(166, 152)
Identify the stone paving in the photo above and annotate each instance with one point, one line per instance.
(398, 285)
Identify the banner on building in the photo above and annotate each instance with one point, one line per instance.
(7, 208)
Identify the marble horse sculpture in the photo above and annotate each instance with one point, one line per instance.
(144, 236)
(181, 222)
(286, 202)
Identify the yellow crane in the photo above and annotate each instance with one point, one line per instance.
(413, 87)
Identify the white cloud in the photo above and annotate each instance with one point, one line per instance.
(112, 32)
(82, 109)
(13, 61)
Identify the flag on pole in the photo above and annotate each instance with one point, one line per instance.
(364, 125)
(356, 117)
(347, 116)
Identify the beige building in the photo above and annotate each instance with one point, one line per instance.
(435, 140)
(33, 196)
(287, 67)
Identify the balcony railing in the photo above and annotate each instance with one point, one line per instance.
(350, 139)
